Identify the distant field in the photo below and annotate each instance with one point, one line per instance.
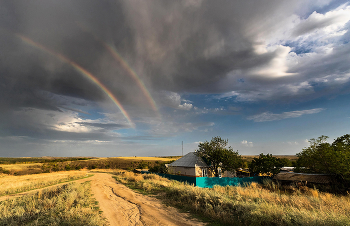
(290, 157)
(151, 158)
(30, 168)
(24, 166)
(43, 165)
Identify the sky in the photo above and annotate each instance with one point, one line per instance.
(139, 77)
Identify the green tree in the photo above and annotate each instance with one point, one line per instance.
(159, 168)
(265, 164)
(322, 157)
(216, 154)
(286, 162)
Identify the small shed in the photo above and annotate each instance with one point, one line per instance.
(189, 165)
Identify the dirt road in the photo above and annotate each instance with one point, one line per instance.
(122, 206)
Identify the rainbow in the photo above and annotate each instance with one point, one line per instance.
(126, 67)
(82, 71)
(133, 74)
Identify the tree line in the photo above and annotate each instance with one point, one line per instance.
(320, 157)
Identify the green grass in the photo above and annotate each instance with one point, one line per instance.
(69, 204)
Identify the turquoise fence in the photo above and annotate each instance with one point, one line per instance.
(209, 182)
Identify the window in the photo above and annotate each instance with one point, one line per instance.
(204, 173)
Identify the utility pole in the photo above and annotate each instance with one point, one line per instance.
(182, 148)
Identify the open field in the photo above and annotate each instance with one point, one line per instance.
(69, 204)
(90, 201)
(250, 205)
(23, 168)
(45, 159)
(14, 184)
(161, 159)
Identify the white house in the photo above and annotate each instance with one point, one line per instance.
(189, 165)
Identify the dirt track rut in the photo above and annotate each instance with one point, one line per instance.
(122, 206)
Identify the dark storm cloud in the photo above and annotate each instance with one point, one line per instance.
(192, 46)
(189, 46)
(56, 25)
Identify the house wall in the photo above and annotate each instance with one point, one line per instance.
(186, 171)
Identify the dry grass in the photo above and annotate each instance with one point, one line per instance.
(250, 205)
(18, 168)
(64, 164)
(150, 158)
(69, 204)
(14, 184)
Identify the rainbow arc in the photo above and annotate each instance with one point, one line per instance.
(83, 71)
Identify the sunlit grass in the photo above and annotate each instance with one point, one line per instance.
(150, 158)
(14, 184)
(19, 167)
(69, 204)
(250, 205)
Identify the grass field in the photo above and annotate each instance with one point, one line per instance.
(69, 204)
(26, 168)
(250, 205)
(66, 164)
(14, 184)
(161, 159)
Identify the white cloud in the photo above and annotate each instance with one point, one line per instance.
(329, 22)
(246, 143)
(292, 143)
(318, 54)
(174, 100)
(64, 121)
(268, 116)
(185, 106)
(277, 67)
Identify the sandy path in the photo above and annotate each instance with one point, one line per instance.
(122, 206)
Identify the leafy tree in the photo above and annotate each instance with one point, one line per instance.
(216, 154)
(286, 162)
(266, 164)
(161, 168)
(322, 157)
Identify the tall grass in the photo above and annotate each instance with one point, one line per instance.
(69, 204)
(249, 205)
(14, 184)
